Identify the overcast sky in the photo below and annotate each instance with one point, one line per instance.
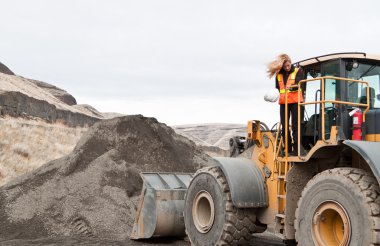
(179, 61)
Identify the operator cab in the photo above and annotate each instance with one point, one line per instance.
(356, 66)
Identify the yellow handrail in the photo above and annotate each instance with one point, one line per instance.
(322, 103)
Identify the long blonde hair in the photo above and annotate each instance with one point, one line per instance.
(276, 65)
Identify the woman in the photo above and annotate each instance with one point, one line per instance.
(286, 76)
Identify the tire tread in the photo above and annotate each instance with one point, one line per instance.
(368, 188)
(240, 223)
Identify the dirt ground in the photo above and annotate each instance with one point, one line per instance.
(96, 242)
(263, 239)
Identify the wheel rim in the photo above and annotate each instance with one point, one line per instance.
(203, 211)
(331, 225)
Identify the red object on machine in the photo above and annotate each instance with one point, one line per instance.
(357, 121)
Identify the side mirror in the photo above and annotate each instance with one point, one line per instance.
(378, 97)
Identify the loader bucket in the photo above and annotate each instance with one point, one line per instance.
(162, 200)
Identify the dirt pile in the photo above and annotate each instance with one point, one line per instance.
(94, 190)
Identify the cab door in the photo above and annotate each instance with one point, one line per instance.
(332, 91)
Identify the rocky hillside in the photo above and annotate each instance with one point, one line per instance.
(5, 69)
(27, 144)
(27, 98)
(211, 135)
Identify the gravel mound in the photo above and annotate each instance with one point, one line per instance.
(93, 192)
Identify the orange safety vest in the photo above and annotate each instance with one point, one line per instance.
(292, 95)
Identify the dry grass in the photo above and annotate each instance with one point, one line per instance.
(27, 144)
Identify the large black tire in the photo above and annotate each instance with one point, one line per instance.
(234, 149)
(350, 192)
(230, 226)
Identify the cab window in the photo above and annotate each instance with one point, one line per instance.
(368, 73)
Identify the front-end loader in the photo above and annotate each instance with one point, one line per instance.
(328, 194)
